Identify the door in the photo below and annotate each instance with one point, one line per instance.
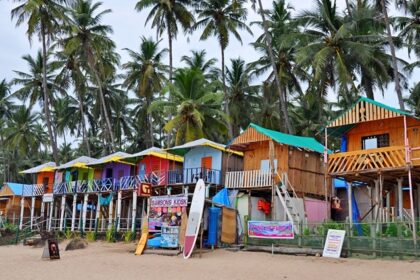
(206, 162)
(47, 187)
(108, 173)
(206, 170)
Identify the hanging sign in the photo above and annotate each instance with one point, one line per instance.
(334, 243)
(48, 197)
(271, 229)
(144, 189)
(168, 201)
(166, 210)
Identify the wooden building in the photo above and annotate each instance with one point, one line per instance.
(11, 197)
(153, 165)
(298, 157)
(204, 159)
(380, 156)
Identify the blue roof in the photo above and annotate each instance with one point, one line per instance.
(16, 188)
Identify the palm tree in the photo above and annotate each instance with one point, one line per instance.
(146, 76)
(413, 101)
(66, 117)
(220, 18)
(165, 16)
(198, 60)
(6, 106)
(409, 27)
(196, 107)
(280, 9)
(242, 96)
(86, 36)
(266, 113)
(43, 18)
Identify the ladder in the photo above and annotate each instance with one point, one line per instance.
(287, 202)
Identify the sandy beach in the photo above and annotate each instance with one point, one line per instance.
(115, 261)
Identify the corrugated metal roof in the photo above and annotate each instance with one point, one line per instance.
(183, 149)
(79, 162)
(109, 158)
(157, 152)
(46, 167)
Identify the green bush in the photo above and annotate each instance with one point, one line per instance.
(110, 235)
(129, 236)
(91, 236)
(68, 234)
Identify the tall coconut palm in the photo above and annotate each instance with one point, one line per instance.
(195, 106)
(165, 16)
(86, 36)
(65, 115)
(409, 27)
(198, 60)
(6, 105)
(242, 95)
(43, 18)
(280, 14)
(220, 18)
(146, 76)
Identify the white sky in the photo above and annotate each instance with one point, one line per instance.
(129, 25)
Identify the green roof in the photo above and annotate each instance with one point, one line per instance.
(307, 143)
(341, 129)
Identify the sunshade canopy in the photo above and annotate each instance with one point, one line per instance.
(46, 167)
(157, 152)
(183, 149)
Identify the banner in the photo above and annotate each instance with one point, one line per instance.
(168, 201)
(334, 243)
(271, 229)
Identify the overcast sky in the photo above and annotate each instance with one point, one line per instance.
(128, 26)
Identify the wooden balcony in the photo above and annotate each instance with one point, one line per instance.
(365, 161)
(248, 179)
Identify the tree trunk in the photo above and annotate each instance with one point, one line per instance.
(46, 97)
(150, 125)
(84, 131)
(348, 7)
(283, 104)
(169, 136)
(394, 58)
(226, 97)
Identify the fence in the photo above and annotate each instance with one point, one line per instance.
(369, 240)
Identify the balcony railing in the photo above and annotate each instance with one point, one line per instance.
(367, 160)
(34, 190)
(191, 176)
(248, 179)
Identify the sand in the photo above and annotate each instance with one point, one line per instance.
(104, 261)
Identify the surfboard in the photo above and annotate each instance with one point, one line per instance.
(194, 218)
(144, 235)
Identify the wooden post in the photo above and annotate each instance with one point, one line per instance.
(50, 213)
(396, 199)
(73, 213)
(119, 197)
(62, 211)
(91, 217)
(350, 203)
(22, 209)
(98, 210)
(85, 205)
(413, 218)
(32, 211)
(400, 198)
(111, 206)
(134, 213)
(381, 201)
(271, 155)
(418, 200)
(328, 215)
(388, 206)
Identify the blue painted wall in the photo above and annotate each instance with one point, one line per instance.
(192, 159)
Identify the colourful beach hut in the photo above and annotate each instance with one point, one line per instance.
(44, 177)
(204, 159)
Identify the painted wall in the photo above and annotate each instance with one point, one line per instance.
(82, 174)
(192, 159)
(159, 166)
(40, 180)
(118, 170)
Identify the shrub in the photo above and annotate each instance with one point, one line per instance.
(129, 236)
(91, 236)
(110, 235)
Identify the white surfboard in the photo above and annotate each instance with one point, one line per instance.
(194, 218)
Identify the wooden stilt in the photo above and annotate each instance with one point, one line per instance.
(32, 211)
(350, 203)
(418, 200)
(381, 201)
(110, 220)
(134, 213)
(22, 209)
(388, 207)
(129, 212)
(50, 213)
(400, 198)
(91, 217)
(84, 214)
(413, 218)
(73, 214)
(119, 197)
(98, 211)
(62, 211)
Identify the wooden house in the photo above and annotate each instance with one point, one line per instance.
(379, 150)
(300, 158)
(43, 179)
(153, 165)
(11, 195)
(204, 159)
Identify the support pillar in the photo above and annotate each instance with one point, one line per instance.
(98, 211)
(350, 203)
(85, 204)
(73, 213)
(111, 206)
(400, 198)
(22, 209)
(32, 211)
(129, 212)
(119, 198)
(62, 211)
(91, 217)
(418, 200)
(134, 213)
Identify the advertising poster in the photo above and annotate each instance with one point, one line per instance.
(334, 243)
(166, 210)
(271, 229)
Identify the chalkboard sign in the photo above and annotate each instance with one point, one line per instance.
(53, 249)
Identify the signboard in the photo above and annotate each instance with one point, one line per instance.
(334, 243)
(168, 201)
(271, 229)
(48, 197)
(53, 249)
(144, 189)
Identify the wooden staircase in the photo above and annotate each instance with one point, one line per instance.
(287, 200)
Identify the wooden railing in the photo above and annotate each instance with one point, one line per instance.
(248, 179)
(367, 160)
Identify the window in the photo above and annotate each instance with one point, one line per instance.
(375, 141)
(265, 165)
